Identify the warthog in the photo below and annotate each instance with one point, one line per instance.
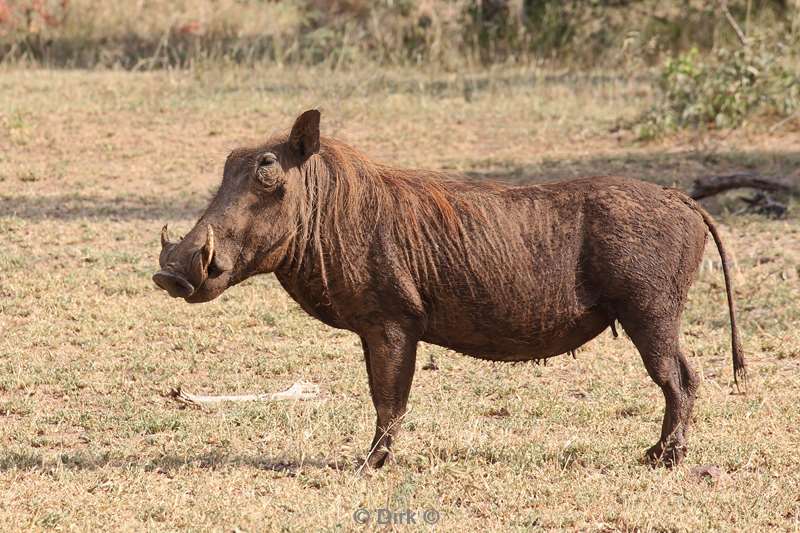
(496, 272)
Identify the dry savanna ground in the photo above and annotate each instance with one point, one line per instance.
(93, 164)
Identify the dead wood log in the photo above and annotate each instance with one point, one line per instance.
(710, 185)
(762, 204)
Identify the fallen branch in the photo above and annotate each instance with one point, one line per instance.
(298, 391)
(762, 204)
(732, 21)
(780, 123)
(711, 185)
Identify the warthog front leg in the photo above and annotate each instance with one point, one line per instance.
(390, 355)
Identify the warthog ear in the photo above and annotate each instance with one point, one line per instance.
(305, 134)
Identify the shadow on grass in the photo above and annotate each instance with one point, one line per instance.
(665, 168)
(87, 206)
(671, 169)
(10, 461)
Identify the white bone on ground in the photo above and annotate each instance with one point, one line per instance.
(298, 391)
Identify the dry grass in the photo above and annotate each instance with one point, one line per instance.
(91, 166)
(154, 34)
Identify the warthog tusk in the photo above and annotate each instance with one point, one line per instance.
(209, 247)
(164, 235)
(298, 391)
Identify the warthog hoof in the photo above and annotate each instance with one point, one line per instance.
(378, 457)
(669, 456)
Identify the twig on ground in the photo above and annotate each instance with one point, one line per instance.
(431, 364)
(780, 123)
(732, 21)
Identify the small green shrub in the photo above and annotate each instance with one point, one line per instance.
(723, 89)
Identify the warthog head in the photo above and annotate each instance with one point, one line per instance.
(248, 227)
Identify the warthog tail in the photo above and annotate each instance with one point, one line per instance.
(739, 364)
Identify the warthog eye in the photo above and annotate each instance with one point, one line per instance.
(268, 173)
(267, 160)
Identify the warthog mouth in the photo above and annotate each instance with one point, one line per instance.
(205, 264)
(175, 285)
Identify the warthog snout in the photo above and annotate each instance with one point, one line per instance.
(185, 268)
(175, 285)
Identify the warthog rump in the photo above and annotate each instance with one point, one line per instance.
(496, 272)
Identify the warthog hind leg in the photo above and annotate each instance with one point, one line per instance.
(657, 342)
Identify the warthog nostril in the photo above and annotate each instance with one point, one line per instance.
(176, 286)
